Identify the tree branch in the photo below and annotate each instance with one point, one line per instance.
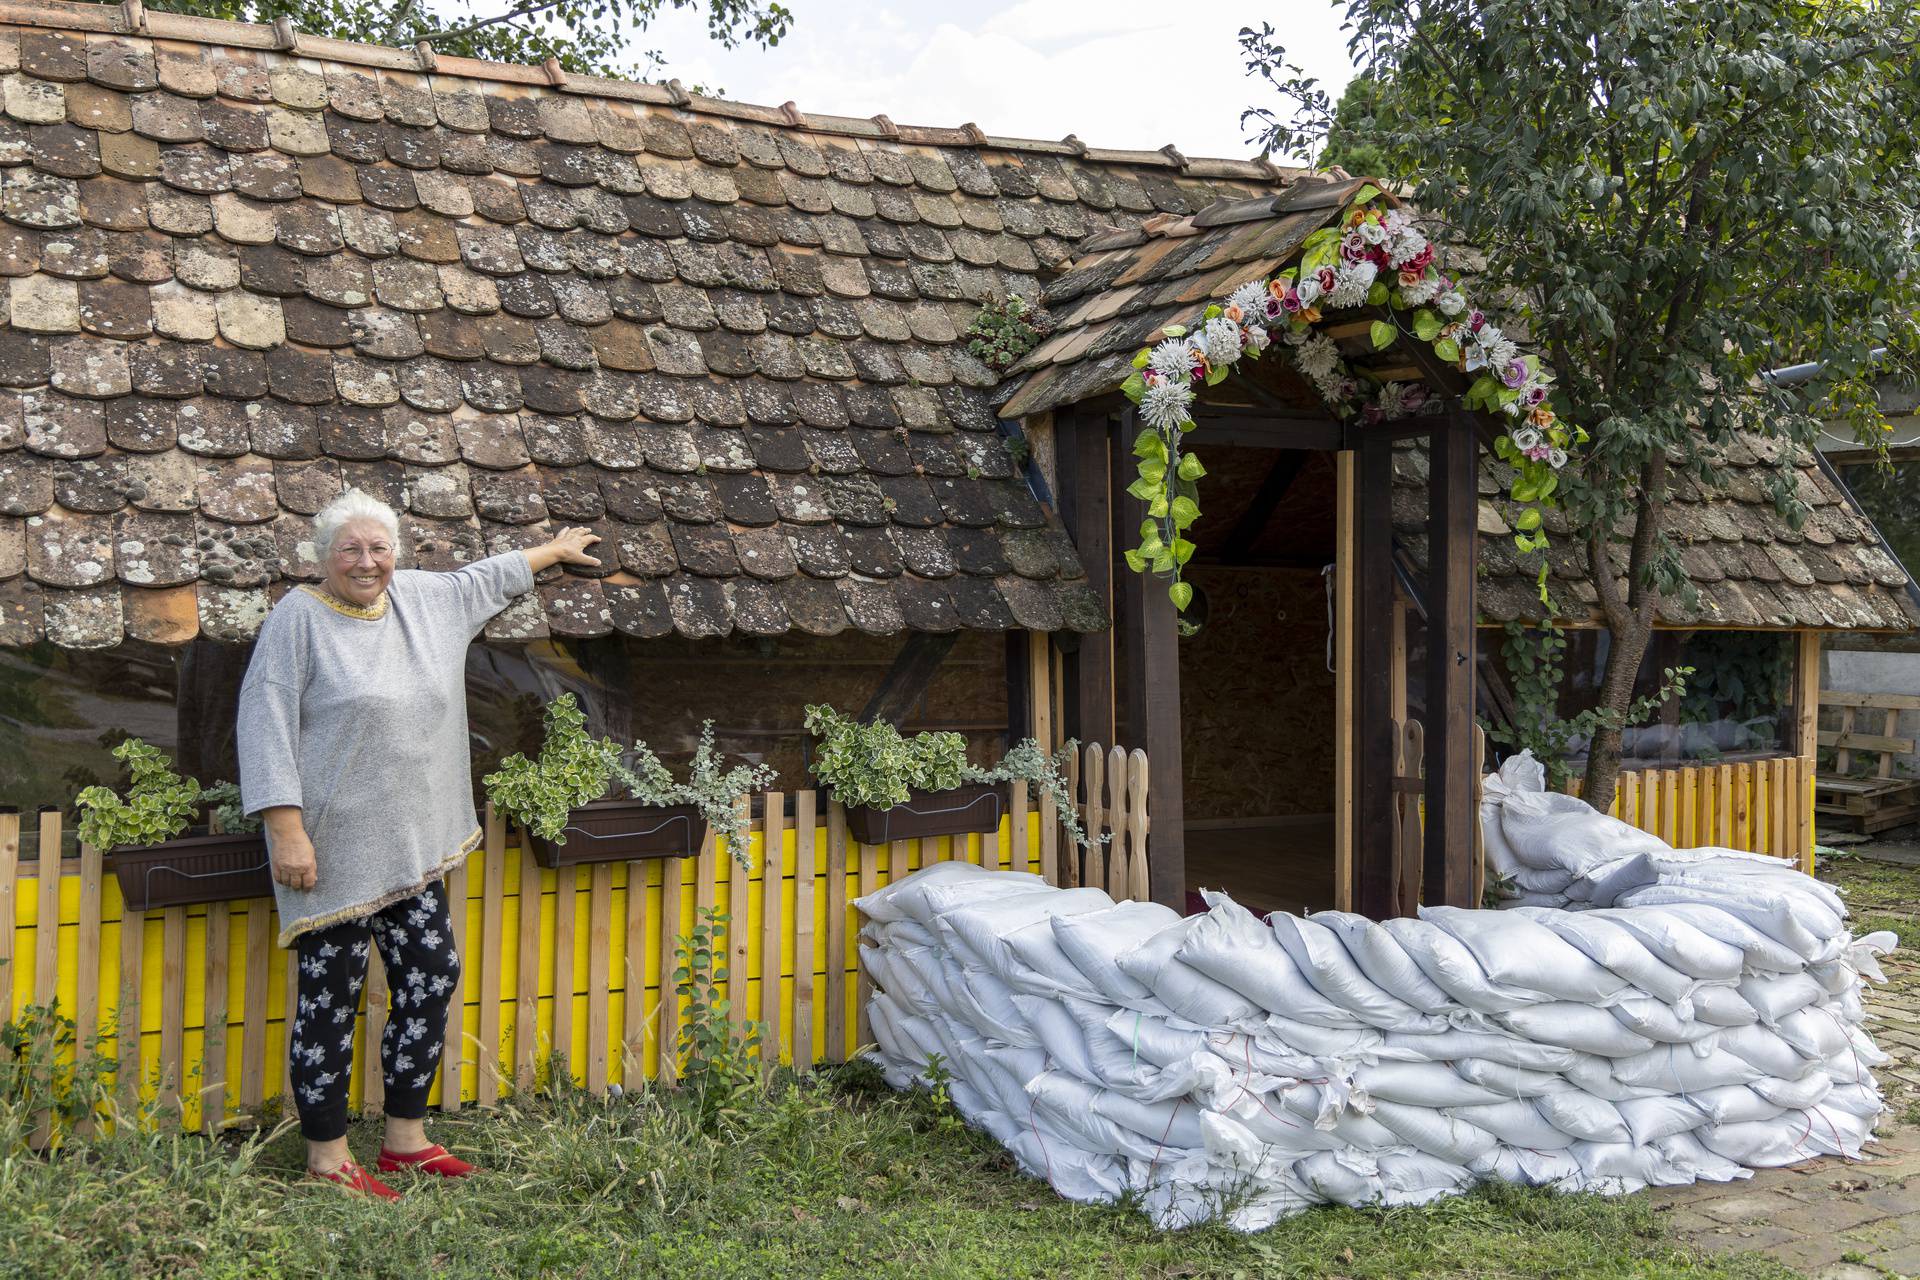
(535, 6)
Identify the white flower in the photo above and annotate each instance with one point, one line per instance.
(1308, 290)
(1172, 360)
(402, 1062)
(1397, 221)
(1258, 338)
(1167, 404)
(1350, 284)
(1452, 302)
(1317, 357)
(1392, 400)
(1501, 352)
(1372, 233)
(1527, 437)
(1489, 337)
(1220, 341)
(1251, 298)
(1421, 291)
(1557, 458)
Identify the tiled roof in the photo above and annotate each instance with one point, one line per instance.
(241, 268)
(1751, 568)
(1129, 284)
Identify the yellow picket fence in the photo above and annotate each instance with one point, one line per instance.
(574, 982)
(562, 969)
(1761, 806)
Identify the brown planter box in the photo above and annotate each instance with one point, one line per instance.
(622, 830)
(974, 807)
(193, 869)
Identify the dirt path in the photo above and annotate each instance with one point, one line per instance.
(1834, 1219)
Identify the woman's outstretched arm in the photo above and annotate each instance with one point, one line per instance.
(570, 547)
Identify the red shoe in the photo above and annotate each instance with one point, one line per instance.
(432, 1159)
(354, 1178)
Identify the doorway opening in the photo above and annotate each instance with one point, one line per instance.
(1257, 688)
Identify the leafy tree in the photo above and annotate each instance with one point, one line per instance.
(1352, 137)
(1670, 198)
(590, 37)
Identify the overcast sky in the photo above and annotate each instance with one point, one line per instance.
(1118, 73)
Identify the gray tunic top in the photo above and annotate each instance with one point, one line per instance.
(359, 717)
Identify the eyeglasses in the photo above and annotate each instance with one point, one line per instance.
(350, 554)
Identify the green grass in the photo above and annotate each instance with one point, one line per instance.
(821, 1180)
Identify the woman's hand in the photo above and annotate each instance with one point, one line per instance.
(570, 547)
(289, 848)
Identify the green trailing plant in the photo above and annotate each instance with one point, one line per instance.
(1005, 330)
(876, 766)
(158, 806)
(1535, 659)
(710, 787)
(223, 808)
(573, 769)
(719, 1062)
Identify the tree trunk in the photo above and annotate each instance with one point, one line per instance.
(1616, 695)
(1629, 623)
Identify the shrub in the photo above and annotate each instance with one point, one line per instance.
(872, 765)
(714, 790)
(573, 769)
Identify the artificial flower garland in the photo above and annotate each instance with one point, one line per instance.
(1376, 256)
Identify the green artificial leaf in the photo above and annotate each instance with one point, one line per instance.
(1383, 334)
(1142, 358)
(1134, 387)
(1218, 373)
(1143, 489)
(1213, 312)
(1135, 561)
(1190, 468)
(1148, 444)
(1528, 519)
(1427, 325)
(1447, 349)
(1377, 293)
(1184, 511)
(1181, 594)
(1366, 194)
(1182, 550)
(1174, 331)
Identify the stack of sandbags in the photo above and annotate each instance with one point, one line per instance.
(1221, 1065)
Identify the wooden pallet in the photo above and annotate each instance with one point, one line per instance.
(1880, 800)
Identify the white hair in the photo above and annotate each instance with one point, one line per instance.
(349, 507)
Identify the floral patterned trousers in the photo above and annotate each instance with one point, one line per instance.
(416, 941)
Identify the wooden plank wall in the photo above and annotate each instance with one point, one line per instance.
(561, 968)
(1761, 806)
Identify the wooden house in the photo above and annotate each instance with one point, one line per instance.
(244, 267)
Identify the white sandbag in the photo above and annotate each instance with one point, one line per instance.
(1768, 1050)
(1385, 962)
(1659, 1117)
(1420, 1084)
(1547, 831)
(1229, 945)
(1813, 1032)
(1453, 968)
(1095, 941)
(1720, 1006)
(1660, 1022)
(1059, 1035)
(1345, 1044)
(1528, 1168)
(1583, 1116)
(904, 899)
(1514, 951)
(1795, 1095)
(988, 1005)
(1334, 975)
(1509, 1082)
(1516, 1122)
(978, 926)
(1673, 1069)
(1759, 1144)
(1437, 1133)
(1584, 1027)
(1189, 994)
(1607, 943)
(1758, 952)
(1410, 1178)
(1496, 1047)
(1679, 944)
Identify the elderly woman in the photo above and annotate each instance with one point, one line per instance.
(353, 751)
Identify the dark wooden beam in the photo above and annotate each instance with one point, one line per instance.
(1280, 477)
(1255, 429)
(907, 679)
(1453, 502)
(1374, 798)
(1153, 688)
(1086, 447)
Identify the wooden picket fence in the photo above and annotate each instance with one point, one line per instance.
(562, 970)
(1109, 787)
(1761, 806)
